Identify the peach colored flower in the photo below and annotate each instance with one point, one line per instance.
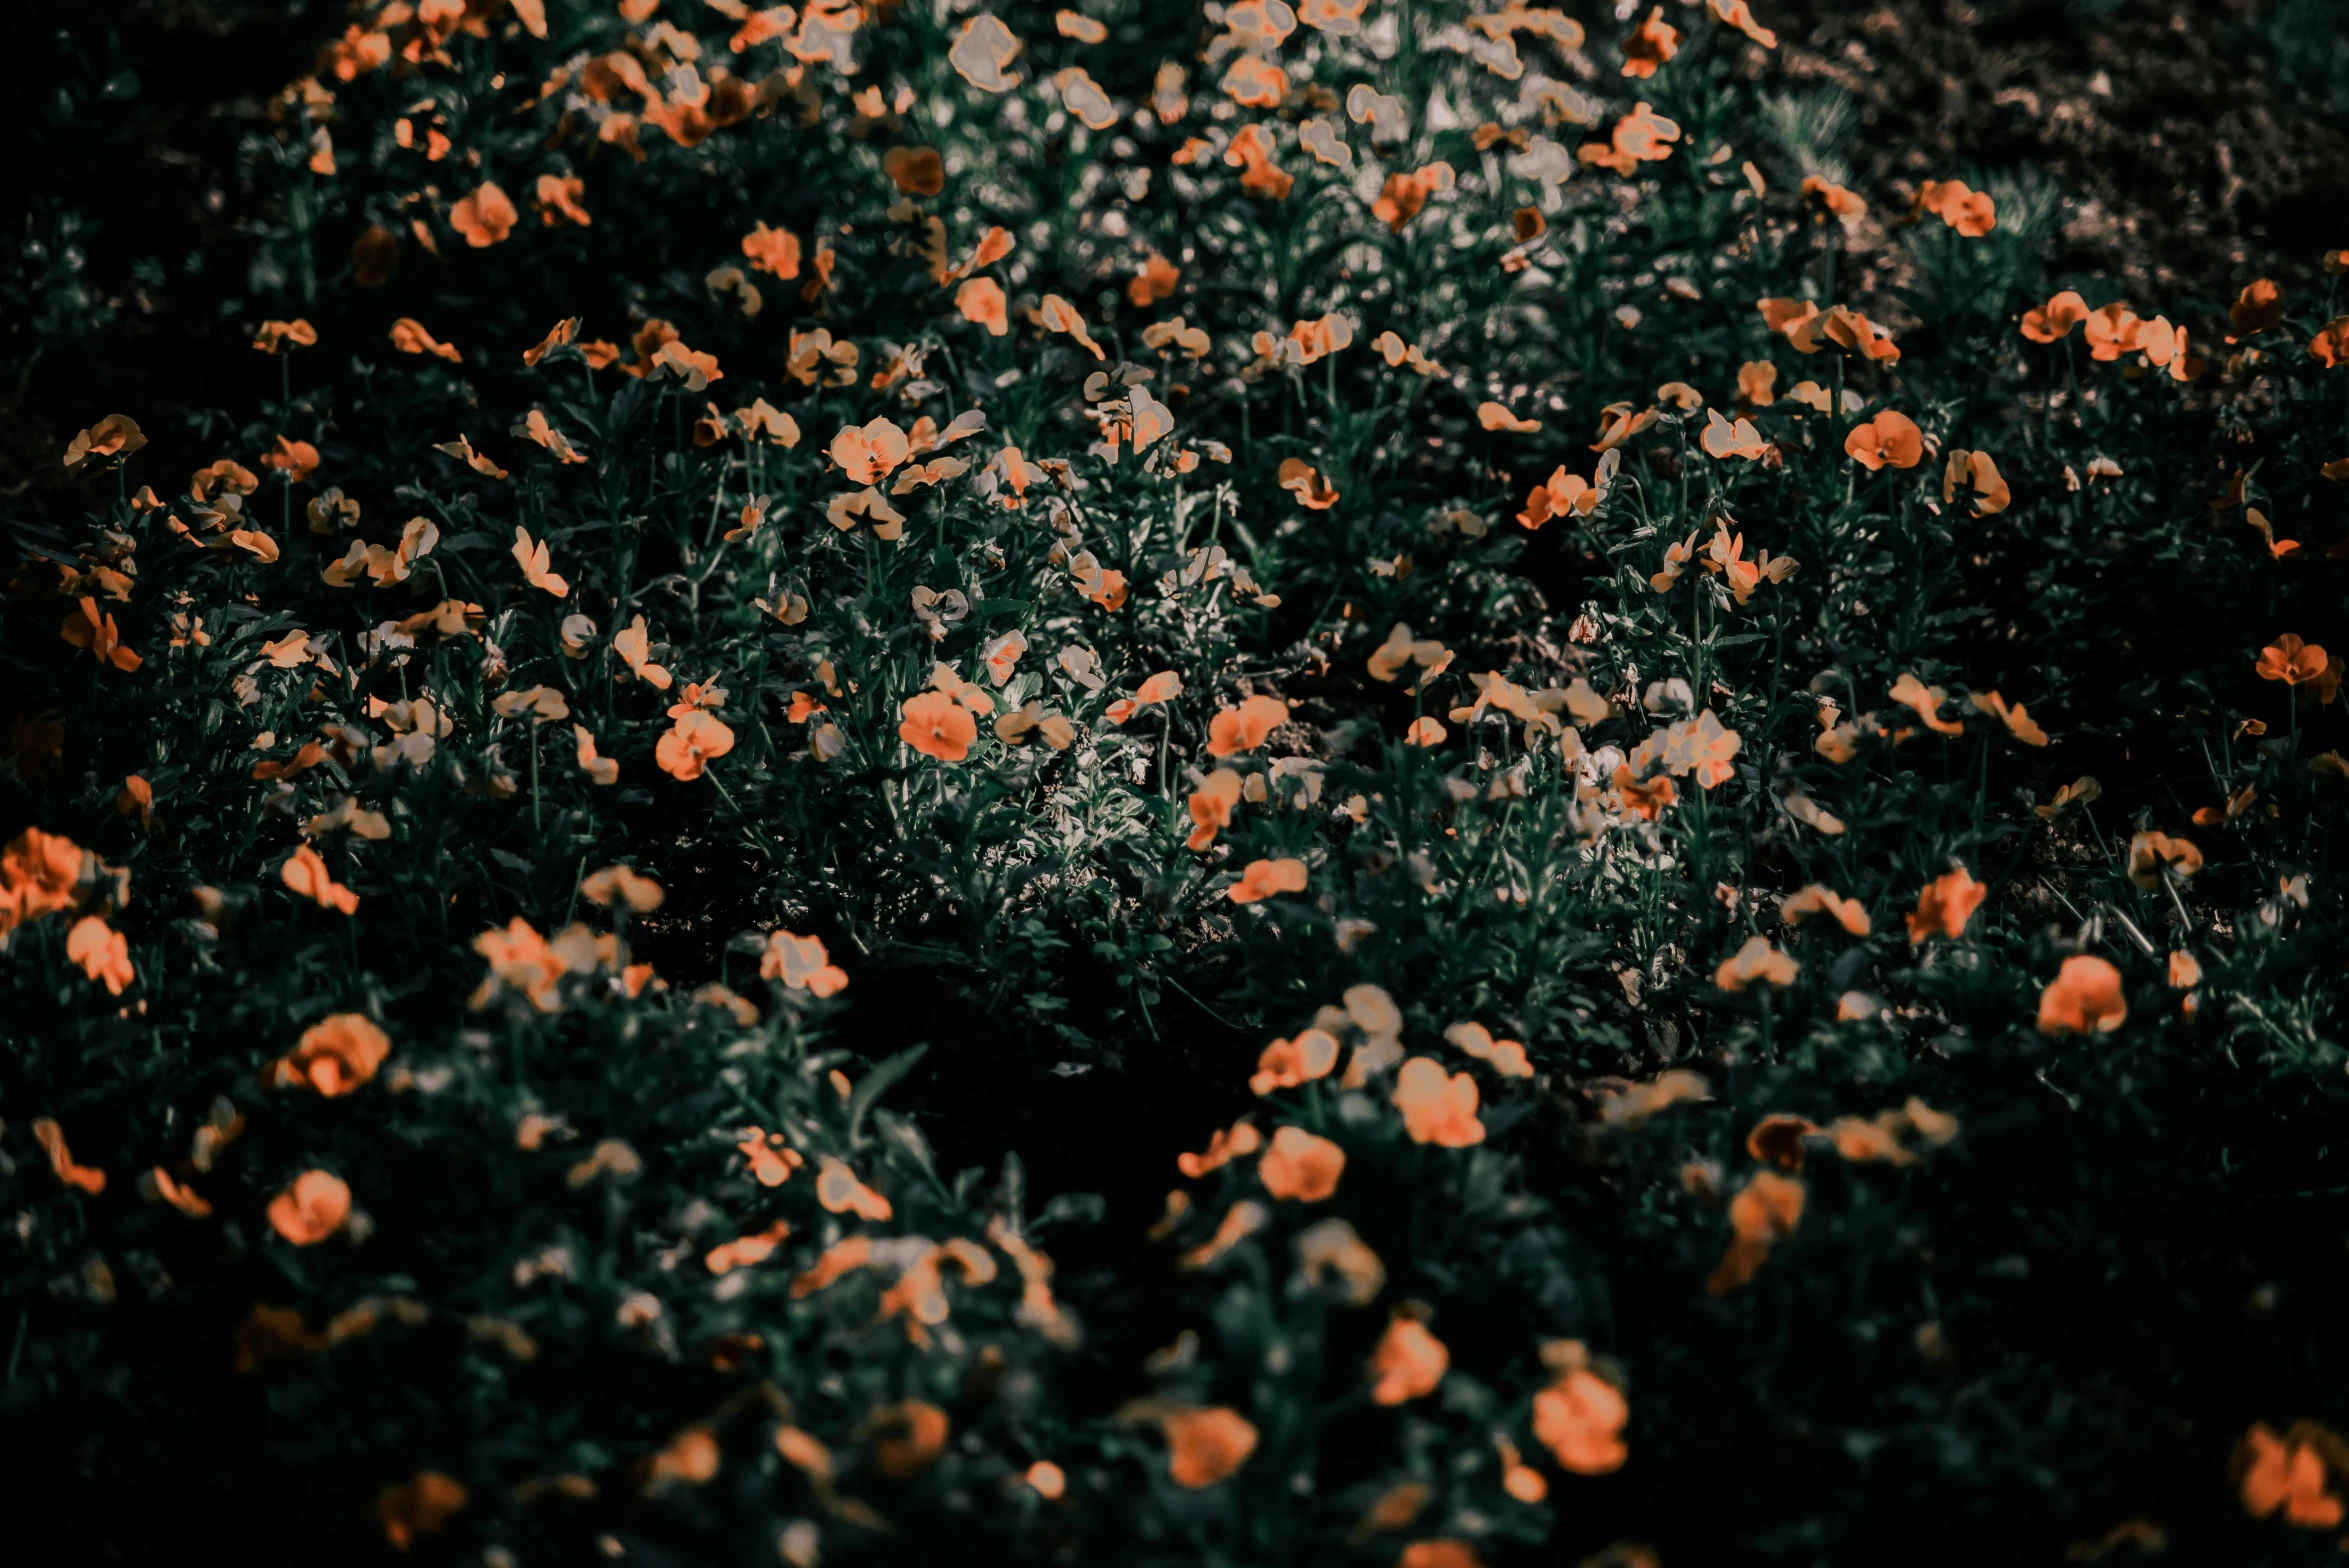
(1205, 1446)
(102, 951)
(935, 725)
(1261, 879)
(1438, 1107)
(1945, 905)
(1580, 1420)
(1764, 1212)
(334, 1056)
(1301, 1165)
(2084, 998)
(308, 877)
(315, 1207)
(484, 217)
(82, 1178)
(1245, 727)
(697, 739)
(422, 1505)
(1408, 1363)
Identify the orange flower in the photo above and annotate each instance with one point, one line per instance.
(1724, 439)
(1738, 14)
(1891, 437)
(422, 1505)
(1058, 315)
(2330, 346)
(2112, 331)
(1156, 281)
(1990, 490)
(38, 875)
(771, 1159)
(82, 1178)
(534, 558)
(1562, 493)
(334, 1056)
(1815, 899)
(2284, 1473)
(1409, 1361)
(117, 435)
(1300, 1165)
(745, 1251)
(136, 798)
(1245, 727)
(408, 336)
(2152, 855)
(1236, 1142)
(308, 877)
(1286, 1064)
(87, 628)
(1507, 1057)
(1211, 807)
(1261, 879)
(312, 1209)
(833, 1264)
(698, 738)
(1496, 416)
(1777, 1139)
(1860, 335)
(2287, 659)
(1256, 83)
(1438, 1107)
(558, 200)
(2083, 998)
(2259, 307)
(1251, 153)
(802, 964)
(484, 217)
(1655, 42)
(1945, 905)
(276, 334)
(2015, 717)
(1444, 1552)
(1972, 213)
(1424, 731)
(157, 1185)
(980, 300)
(102, 951)
(1580, 1420)
(1793, 319)
(915, 171)
(905, 1436)
(599, 770)
(1646, 799)
(1926, 702)
(1642, 136)
(935, 725)
(772, 250)
(1403, 195)
(2056, 318)
(1205, 1446)
(1756, 960)
(1764, 1212)
(838, 1190)
(1846, 207)
(1313, 492)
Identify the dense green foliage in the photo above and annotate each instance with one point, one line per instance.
(1326, 634)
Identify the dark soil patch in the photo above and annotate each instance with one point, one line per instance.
(2187, 167)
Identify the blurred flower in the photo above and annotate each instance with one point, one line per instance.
(2083, 998)
(313, 1208)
